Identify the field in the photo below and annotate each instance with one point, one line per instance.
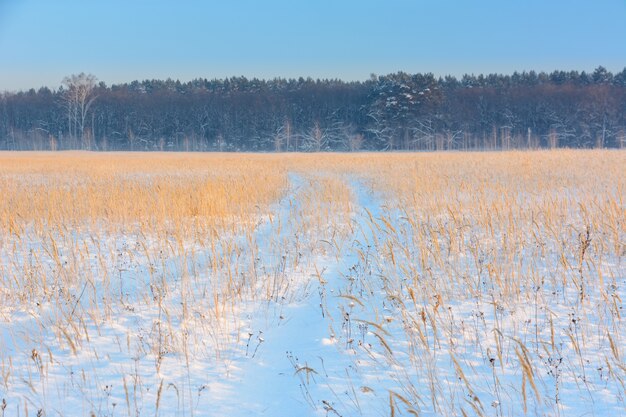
(430, 284)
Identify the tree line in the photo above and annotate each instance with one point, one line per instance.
(397, 111)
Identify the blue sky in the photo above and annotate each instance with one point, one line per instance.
(41, 41)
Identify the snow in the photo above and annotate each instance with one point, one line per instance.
(318, 329)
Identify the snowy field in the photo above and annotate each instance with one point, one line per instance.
(325, 285)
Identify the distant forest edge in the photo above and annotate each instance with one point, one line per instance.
(389, 112)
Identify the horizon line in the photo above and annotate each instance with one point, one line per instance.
(309, 77)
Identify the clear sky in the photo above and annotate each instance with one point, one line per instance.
(41, 41)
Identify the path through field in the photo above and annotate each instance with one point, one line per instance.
(309, 360)
(337, 301)
(292, 343)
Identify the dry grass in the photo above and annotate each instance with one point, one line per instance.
(74, 189)
(491, 257)
(498, 261)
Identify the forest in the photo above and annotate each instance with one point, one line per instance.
(399, 111)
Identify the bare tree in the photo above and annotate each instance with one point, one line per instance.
(424, 134)
(621, 139)
(220, 143)
(355, 142)
(347, 135)
(453, 137)
(78, 98)
(282, 137)
(287, 133)
(560, 130)
(317, 139)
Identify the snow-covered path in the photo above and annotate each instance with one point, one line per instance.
(302, 352)
(321, 310)
(287, 345)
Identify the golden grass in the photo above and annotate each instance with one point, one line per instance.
(507, 230)
(524, 241)
(49, 190)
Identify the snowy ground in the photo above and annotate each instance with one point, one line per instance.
(338, 317)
